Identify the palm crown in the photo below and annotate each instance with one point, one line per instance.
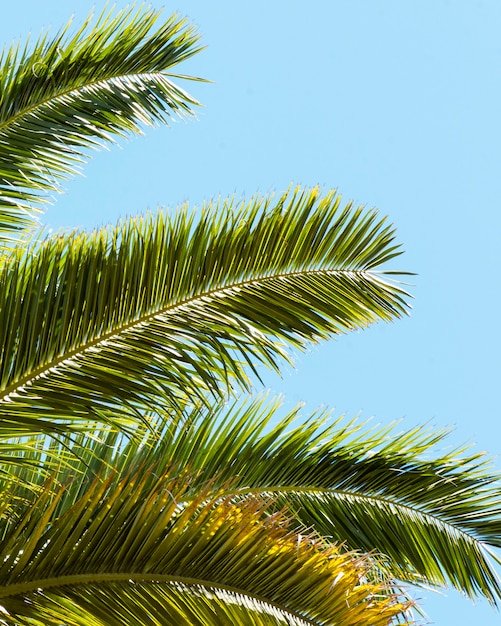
(136, 486)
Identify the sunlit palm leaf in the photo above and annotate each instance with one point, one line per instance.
(143, 505)
(102, 322)
(62, 96)
(435, 515)
(158, 552)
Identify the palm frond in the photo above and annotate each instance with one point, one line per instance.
(434, 515)
(163, 554)
(103, 322)
(62, 96)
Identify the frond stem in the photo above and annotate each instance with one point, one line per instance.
(434, 519)
(19, 589)
(101, 340)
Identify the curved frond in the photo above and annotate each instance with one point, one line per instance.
(434, 515)
(153, 551)
(62, 96)
(103, 322)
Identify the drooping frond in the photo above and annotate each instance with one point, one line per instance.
(141, 548)
(101, 323)
(61, 96)
(435, 515)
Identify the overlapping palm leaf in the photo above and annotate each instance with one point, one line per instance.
(100, 323)
(433, 516)
(140, 545)
(129, 492)
(61, 96)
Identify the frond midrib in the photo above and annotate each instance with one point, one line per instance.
(24, 588)
(11, 121)
(102, 339)
(360, 496)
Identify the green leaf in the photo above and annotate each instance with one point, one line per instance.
(436, 516)
(62, 96)
(139, 546)
(93, 325)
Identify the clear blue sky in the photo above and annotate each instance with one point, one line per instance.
(396, 104)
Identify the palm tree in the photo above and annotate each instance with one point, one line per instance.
(138, 484)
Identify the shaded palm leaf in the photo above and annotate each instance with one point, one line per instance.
(62, 96)
(173, 305)
(155, 552)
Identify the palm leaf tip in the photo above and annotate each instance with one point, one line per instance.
(65, 95)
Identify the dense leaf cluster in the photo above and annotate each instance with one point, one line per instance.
(136, 486)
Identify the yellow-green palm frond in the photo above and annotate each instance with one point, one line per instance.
(101, 323)
(144, 548)
(434, 515)
(62, 96)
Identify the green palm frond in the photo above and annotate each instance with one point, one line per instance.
(130, 490)
(98, 323)
(159, 604)
(434, 515)
(60, 97)
(157, 552)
